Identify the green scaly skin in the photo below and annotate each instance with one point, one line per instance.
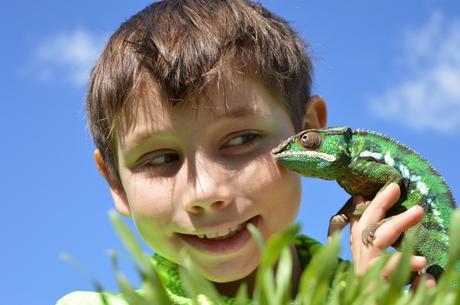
(363, 162)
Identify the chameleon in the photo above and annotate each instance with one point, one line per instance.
(364, 162)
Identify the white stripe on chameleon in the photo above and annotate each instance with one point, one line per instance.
(422, 188)
(404, 171)
(436, 214)
(388, 159)
(307, 153)
(366, 153)
(437, 217)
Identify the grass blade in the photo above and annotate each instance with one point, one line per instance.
(196, 285)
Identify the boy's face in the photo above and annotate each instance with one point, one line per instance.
(192, 170)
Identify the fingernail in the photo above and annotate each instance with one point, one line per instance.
(415, 209)
(384, 188)
(420, 260)
(391, 184)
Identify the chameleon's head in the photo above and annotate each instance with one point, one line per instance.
(321, 153)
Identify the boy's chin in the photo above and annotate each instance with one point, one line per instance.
(232, 272)
(238, 277)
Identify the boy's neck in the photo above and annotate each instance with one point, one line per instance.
(230, 289)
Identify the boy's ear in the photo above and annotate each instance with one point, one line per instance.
(116, 188)
(315, 115)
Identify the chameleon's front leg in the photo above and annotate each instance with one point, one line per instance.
(343, 216)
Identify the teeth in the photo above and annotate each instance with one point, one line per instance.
(226, 233)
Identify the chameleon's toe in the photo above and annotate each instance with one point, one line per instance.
(368, 234)
(336, 224)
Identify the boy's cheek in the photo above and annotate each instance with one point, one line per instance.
(157, 238)
(154, 209)
(148, 200)
(265, 176)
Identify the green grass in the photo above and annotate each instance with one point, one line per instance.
(321, 282)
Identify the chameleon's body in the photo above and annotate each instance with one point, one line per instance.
(363, 162)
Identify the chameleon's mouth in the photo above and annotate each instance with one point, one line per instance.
(282, 146)
(308, 153)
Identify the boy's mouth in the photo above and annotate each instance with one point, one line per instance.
(226, 240)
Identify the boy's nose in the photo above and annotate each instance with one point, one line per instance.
(203, 206)
(208, 192)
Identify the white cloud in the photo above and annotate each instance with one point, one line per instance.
(429, 97)
(67, 56)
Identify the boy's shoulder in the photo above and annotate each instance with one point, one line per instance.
(90, 298)
(306, 248)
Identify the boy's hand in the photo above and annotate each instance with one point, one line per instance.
(365, 256)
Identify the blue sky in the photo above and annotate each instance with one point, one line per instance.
(390, 66)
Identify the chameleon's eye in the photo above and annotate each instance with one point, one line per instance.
(311, 140)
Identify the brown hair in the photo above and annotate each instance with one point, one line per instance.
(187, 45)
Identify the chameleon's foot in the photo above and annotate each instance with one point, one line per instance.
(368, 234)
(336, 224)
(360, 208)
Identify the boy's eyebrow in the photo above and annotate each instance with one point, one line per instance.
(235, 112)
(140, 138)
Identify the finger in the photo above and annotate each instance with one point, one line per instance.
(389, 232)
(379, 206)
(375, 212)
(416, 264)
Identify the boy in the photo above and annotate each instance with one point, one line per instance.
(185, 104)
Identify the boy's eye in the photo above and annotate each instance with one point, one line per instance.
(242, 140)
(163, 159)
(159, 159)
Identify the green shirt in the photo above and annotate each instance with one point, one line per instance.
(305, 246)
